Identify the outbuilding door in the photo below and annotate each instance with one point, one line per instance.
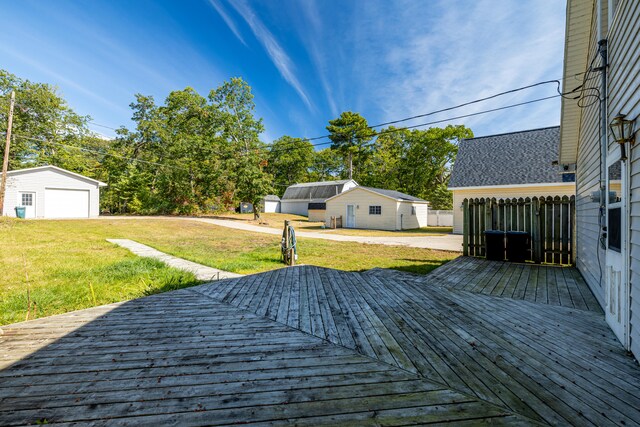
(66, 203)
(617, 277)
(351, 216)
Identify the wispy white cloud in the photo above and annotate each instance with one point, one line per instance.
(227, 20)
(409, 59)
(276, 53)
(311, 32)
(60, 79)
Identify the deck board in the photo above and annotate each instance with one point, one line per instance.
(470, 343)
(236, 368)
(553, 285)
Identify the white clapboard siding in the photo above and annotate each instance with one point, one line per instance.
(590, 259)
(39, 180)
(624, 97)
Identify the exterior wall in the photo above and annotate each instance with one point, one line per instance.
(362, 199)
(438, 218)
(624, 96)
(533, 191)
(407, 221)
(296, 207)
(316, 215)
(590, 259)
(271, 206)
(38, 181)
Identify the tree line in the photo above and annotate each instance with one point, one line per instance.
(199, 154)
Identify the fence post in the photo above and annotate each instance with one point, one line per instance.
(465, 227)
(535, 232)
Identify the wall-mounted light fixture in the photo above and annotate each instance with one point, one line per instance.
(622, 130)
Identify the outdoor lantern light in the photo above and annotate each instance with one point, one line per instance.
(622, 130)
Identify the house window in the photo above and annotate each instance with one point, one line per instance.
(413, 210)
(375, 210)
(27, 199)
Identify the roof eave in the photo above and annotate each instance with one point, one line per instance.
(576, 52)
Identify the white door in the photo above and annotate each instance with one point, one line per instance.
(27, 200)
(617, 278)
(65, 203)
(351, 216)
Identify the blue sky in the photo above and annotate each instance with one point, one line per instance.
(306, 60)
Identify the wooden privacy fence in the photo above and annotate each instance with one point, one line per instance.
(550, 221)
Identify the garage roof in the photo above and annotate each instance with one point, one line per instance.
(524, 157)
(57, 169)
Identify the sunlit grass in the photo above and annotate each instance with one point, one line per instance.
(68, 265)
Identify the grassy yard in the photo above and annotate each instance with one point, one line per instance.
(68, 265)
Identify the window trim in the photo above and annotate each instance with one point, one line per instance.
(374, 211)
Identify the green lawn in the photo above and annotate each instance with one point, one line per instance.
(68, 265)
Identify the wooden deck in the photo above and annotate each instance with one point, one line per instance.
(530, 282)
(314, 346)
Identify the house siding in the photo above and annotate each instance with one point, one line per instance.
(363, 199)
(409, 221)
(296, 207)
(391, 210)
(624, 96)
(500, 193)
(590, 258)
(39, 180)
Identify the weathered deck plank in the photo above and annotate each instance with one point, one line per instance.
(331, 347)
(537, 283)
(237, 368)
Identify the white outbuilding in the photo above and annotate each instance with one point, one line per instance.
(51, 192)
(271, 204)
(377, 209)
(308, 199)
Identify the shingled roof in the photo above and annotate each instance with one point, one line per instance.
(394, 194)
(314, 190)
(511, 158)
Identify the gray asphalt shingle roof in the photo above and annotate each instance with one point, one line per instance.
(395, 194)
(314, 190)
(512, 158)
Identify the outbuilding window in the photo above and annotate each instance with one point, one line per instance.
(27, 199)
(375, 210)
(413, 210)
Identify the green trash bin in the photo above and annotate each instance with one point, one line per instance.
(20, 211)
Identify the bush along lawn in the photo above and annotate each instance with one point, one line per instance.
(52, 267)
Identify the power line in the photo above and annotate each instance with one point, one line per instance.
(465, 104)
(384, 132)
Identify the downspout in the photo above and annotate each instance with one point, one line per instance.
(604, 125)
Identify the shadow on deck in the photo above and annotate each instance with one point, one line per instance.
(309, 345)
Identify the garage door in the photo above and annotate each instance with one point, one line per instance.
(60, 203)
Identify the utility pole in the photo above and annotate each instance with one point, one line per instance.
(5, 162)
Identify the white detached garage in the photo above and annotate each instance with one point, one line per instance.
(52, 192)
